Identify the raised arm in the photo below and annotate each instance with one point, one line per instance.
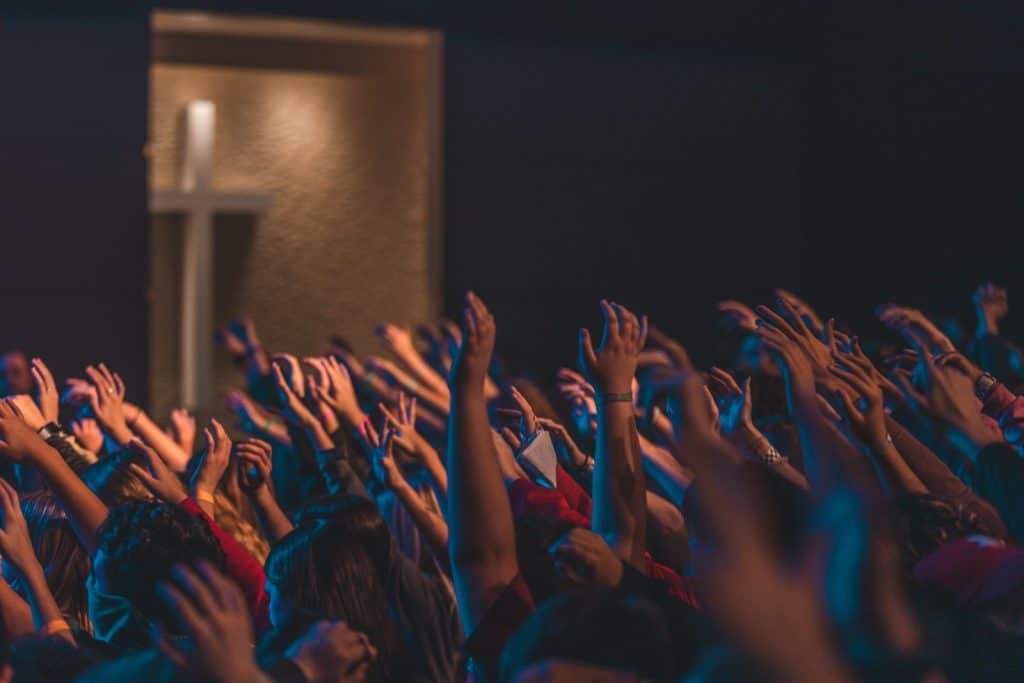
(16, 547)
(619, 484)
(399, 340)
(481, 540)
(85, 511)
(386, 470)
(254, 479)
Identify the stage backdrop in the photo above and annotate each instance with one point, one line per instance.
(339, 127)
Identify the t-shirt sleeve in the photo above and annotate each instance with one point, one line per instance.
(502, 620)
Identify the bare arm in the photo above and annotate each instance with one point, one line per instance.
(619, 486)
(481, 543)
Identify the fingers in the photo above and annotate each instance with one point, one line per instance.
(511, 438)
(529, 418)
(587, 356)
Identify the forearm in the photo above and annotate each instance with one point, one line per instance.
(481, 540)
(672, 477)
(619, 484)
(275, 523)
(424, 373)
(898, 476)
(436, 471)
(85, 511)
(40, 599)
(429, 523)
(166, 447)
(16, 618)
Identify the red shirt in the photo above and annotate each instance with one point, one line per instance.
(241, 566)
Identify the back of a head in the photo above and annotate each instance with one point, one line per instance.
(112, 481)
(322, 571)
(64, 560)
(352, 517)
(602, 628)
(141, 542)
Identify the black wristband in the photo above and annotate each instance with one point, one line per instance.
(623, 397)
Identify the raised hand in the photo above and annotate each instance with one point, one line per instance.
(737, 315)
(866, 416)
(212, 612)
(15, 543)
(381, 444)
(610, 368)
(88, 434)
(292, 371)
(49, 398)
(398, 339)
(947, 395)
(991, 305)
(107, 401)
(527, 419)
(156, 475)
(213, 462)
(915, 327)
(674, 349)
(337, 391)
(584, 557)
(567, 450)
(183, 429)
(19, 440)
(294, 409)
(473, 358)
(28, 411)
(790, 324)
(255, 455)
(803, 310)
(333, 653)
(733, 401)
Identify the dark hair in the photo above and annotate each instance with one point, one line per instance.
(597, 627)
(63, 558)
(356, 518)
(922, 523)
(323, 569)
(112, 481)
(141, 542)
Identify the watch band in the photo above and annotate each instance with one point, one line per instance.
(984, 385)
(51, 430)
(771, 456)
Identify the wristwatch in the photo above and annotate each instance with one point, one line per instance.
(771, 456)
(51, 430)
(984, 385)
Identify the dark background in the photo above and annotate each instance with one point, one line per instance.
(665, 156)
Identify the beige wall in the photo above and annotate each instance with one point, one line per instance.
(349, 242)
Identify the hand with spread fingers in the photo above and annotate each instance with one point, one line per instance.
(49, 398)
(212, 612)
(611, 366)
(88, 434)
(156, 475)
(991, 305)
(737, 315)
(107, 402)
(473, 360)
(213, 462)
(183, 429)
(331, 652)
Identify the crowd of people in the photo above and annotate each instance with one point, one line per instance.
(828, 509)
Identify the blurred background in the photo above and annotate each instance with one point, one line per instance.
(666, 155)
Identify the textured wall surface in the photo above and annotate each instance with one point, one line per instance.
(347, 243)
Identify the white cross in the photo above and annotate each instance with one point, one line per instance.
(199, 202)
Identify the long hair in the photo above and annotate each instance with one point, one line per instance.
(64, 560)
(325, 572)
